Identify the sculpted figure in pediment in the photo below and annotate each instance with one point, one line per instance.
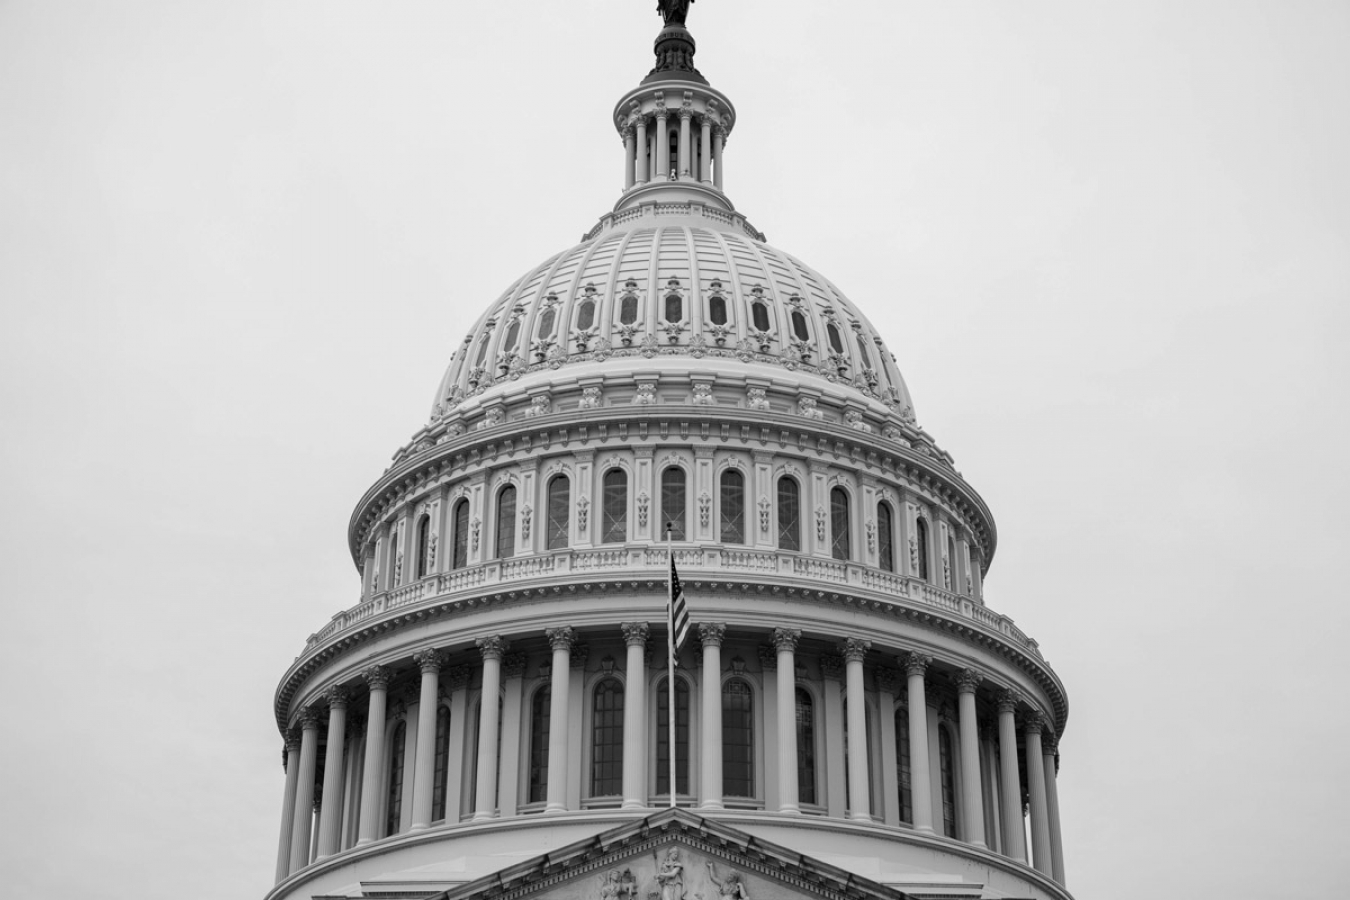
(731, 887)
(670, 875)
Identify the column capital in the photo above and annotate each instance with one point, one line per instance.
(492, 646)
(886, 679)
(832, 666)
(459, 677)
(854, 649)
(309, 718)
(1008, 699)
(560, 638)
(1033, 722)
(786, 638)
(635, 634)
(429, 660)
(377, 677)
(626, 132)
(513, 665)
(967, 681)
(292, 743)
(686, 112)
(1049, 743)
(337, 697)
(712, 633)
(914, 663)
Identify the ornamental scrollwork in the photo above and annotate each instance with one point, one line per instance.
(704, 509)
(757, 398)
(765, 512)
(807, 409)
(702, 395)
(475, 530)
(590, 398)
(646, 394)
(643, 503)
(583, 512)
(821, 520)
(526, 517)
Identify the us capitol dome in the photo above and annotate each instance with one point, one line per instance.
(851, 719)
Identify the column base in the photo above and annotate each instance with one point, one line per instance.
(483, 816)
(793, 810)
(711, 804)
(633, 804)
(419, 826)
(554, 809)
(863, 817)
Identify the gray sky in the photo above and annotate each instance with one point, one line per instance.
(1109, 243)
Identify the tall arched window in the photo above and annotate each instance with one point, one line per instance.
(506, 523)
(423, 546)
(949, 570)
(921, 534)
(902, 764)
(460, 557)
(614, 525)
(540, 710)
(806, 747)
(731, 513)
(947, 779)
(394, 809)
(673, 505)
(607, 739)
(738, 739)
(839, 524)
(885, 543)
(442, 760)
(789, 514)
(393, 567)
(559, 511)
(681, 737)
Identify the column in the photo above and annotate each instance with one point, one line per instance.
(859, 786)
(635, 716)
(559, 719)
(1014, 834)
(1050, 761)
(288, 806)
(1040, 811)
(886, 680)
(629, 156)
(719, 139)
(662, 145)
(972, 794)
(330, 819)
(711, 634)
(921, 789)
(685, 115)
(576, 691)
(641, 150)
(423, 778)
(492, 648)
(785, 642)
(705, 150)
(304, 789)
(378, 679)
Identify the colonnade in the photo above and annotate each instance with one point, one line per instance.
(647, 150)
(982, 789)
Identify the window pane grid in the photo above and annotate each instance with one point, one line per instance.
(902, 764)
(732, 512)
(738, 740)
(615, 527)
(681, 737)
(442, 759)
(806, 748)
(839, 536)
(506, 523)
(673, 502)
(948, 783)
(886, 556)
(559, 512)
(395, 798)
(461, 555)
(540, 712)
(789, 515)
(607, 746)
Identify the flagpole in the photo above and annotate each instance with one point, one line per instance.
(670, 660)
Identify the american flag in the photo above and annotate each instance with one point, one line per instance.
(679, 610)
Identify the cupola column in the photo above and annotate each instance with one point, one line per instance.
(635, 715)
(378, 679)
(629, 156)
(288, 807)
(785, 642)
(1049, 758)
(719, 141)
(972, 793)
(662, 145)
(492, 648)
(424, 779)
(685, 115)
(1014, 831)
(641, 150)
(1040, 812)
(330, 816)
(711, 633)
(559, 719)
(859, 785)
(705, 150)
(304, 789)
(921, 790)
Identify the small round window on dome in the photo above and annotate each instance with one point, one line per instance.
(799, 326)
(759, 314)
(674, 308)
(628, 310)
(717, 310)
(836, 342)
(586, 314)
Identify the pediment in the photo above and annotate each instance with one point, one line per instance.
(672, 855)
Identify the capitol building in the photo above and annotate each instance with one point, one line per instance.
(853, 718)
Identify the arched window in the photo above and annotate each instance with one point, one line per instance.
(442, 760)
(540, 710)
(673, 501)
(885, 545)
(461, 547)
(731, 513)
(948, 781)
(759, 314)
(839, 522)
(799, 326)
(717, 309)
(585, 314)
(607, 739)
(949, 570)
(738, 739)
(506, 523)
(681, 737)
(394, 810)
(545, 326)
(423, 546)
(559, 511)
(806, 747)
(902, 764)
(921, 533)
(674, 308)
(393, 567)
(614, 527)
(789, 514)
(836, 342)
(628, 309)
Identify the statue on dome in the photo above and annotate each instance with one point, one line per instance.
(673, 11)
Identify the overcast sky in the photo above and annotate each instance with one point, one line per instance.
(1108, 242)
